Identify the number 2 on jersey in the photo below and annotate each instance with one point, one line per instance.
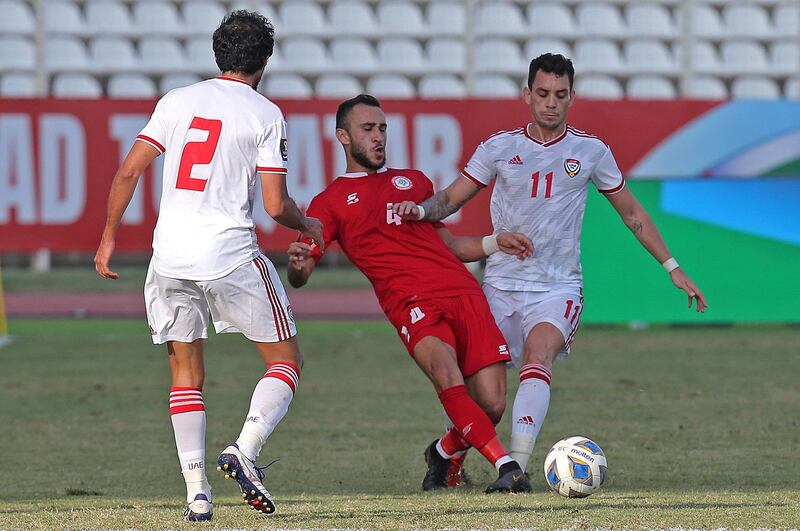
(198, 153)
(548, 187)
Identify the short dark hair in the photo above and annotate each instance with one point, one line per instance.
(551, 63)
(347, 105)
(243, 42)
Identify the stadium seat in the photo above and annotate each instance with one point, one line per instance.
(276, 61)
(108, 17)
(305, 54)
(446, 55)
(704, 21)
(162, 55)
(18, 85)
(703, 56)
(75, 85)
(17, 53)
(302, 18)
(260, 6)
(500, 18)
(594, 86)
(495, 86)
(113, 54)
(598, 55)
(401, 55)
(202, 16)
(750, 87)
(446, 18)
(746, 20)
(390, 86)
(650, 20)
(648, 56)
(63, 16)
(173, 81)
(784, 57)
(441, 86)
(650, 88)
(742, 57)
(337, 86)
(289, 86)
(133, 86)
(787, 20)
(352, 18)
(157, 18)
(539, 45)
(600, 20)
(400, 18)
(200, 56)
(353, 56)
(17, 18)
(704, 88)
(791, 89)
(500, 56)
(551, 19)
(66, 53)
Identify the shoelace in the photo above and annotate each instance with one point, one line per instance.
(260, 469)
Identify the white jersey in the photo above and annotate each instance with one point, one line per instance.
(540, 191)
(217, 135)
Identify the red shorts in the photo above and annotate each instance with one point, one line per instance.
(464, 322)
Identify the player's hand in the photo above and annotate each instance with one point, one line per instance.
(682, 281)
(299, 254)
(102, 259)
(407, 210)
(515, 243)
(312, 228)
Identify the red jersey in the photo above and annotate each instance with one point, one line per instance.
(404, 260)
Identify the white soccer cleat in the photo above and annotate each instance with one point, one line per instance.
(199, 509)
(234, 464)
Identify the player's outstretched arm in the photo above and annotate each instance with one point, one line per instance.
(473, 248)
(641, 224)
(122, 188)
(301, 264)
(441, 204)
(282, 208)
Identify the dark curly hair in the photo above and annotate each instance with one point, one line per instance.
(243, 42)
(551, 63)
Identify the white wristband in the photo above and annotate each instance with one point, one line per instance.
(421, 213)
(670, 264)
(489, 244)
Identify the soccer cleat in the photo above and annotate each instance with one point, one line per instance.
(511, 479)
(234, 464)
(199, 510)
(436, 475)
(455, 472)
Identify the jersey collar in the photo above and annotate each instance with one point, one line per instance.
(557, 139)
(361, 173)
(226, 78)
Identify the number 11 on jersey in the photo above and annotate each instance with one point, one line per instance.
(548, 187)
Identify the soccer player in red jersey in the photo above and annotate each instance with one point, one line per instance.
(435, 304)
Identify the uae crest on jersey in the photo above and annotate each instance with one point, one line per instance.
(402, 183)
(572, 167)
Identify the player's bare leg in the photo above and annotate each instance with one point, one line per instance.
(188, 415)
(268, 405)
(542, 345)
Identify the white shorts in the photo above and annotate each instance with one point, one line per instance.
(517, 312)
(250, 300)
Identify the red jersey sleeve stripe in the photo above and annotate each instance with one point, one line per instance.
(471, 178)
(615, 189)
(152, 142)
(265, 169)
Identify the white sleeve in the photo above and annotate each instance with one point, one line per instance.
(273, 153)
(606, 176)
(480, 168)
(155, 132)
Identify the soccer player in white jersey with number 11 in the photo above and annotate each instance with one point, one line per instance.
(219, 136)
(541, 173)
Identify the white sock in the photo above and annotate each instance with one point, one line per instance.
(270, 402)
(529, 411)
(188, 415)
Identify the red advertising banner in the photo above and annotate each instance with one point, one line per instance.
(57, 158)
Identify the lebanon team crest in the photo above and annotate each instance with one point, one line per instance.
(402, 183)
(572, 167)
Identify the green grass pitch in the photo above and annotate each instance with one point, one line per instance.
(701, 428)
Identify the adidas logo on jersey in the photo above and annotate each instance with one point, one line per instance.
(515, 160)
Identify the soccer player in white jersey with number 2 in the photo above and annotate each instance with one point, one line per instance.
(541, 174)
(219, 136)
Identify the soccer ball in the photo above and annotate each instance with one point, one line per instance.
(575, 467)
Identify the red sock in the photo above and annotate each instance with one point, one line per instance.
(453, 442)
(471, 422)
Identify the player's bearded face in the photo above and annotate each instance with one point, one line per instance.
(367, 132)
(549, 99)
(368, 156)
